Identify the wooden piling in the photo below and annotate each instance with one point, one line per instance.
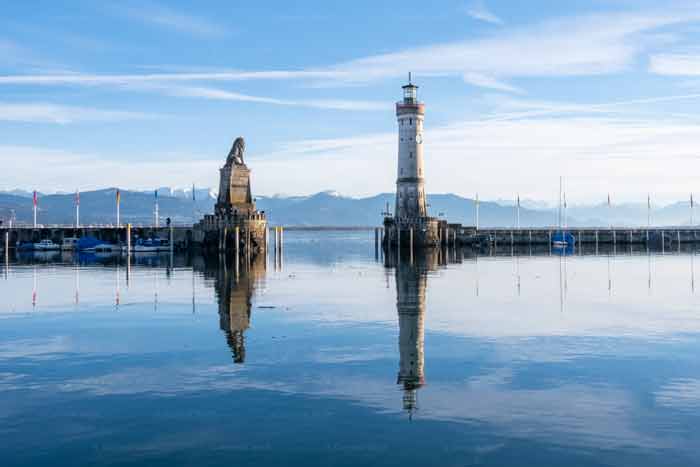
(663, 242)
(237, 240)
(376, 242)
(398, 244)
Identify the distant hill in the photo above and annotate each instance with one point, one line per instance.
(321, 209)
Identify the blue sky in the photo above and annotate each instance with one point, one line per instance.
(142, 94)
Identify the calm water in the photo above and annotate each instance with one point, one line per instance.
(338, 358)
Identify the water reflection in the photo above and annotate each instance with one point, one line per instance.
(234, 287)
(411, 270)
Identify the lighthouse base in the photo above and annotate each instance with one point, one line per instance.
(419, 232)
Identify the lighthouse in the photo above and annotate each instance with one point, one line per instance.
(410, 226)
(410, 184)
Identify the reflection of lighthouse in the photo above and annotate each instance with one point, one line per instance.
(411, 281)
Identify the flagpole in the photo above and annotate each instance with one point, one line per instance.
(559, 209)
(34, 208)
(477, 211)
(156, 209)
(77, 209)
(518, 213)
(692, 208)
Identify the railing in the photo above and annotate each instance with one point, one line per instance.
(92, 226)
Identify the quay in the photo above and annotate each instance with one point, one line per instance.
(182, 238)
(469, 236)
(662, 235)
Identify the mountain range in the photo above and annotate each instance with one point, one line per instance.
(320, 209)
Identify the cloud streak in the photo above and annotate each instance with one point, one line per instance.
(39, 112)
(331, 104)
(479, 11)
(578, 46)
(675, 64)
(158, 15)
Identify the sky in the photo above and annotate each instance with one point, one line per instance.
(140, 94)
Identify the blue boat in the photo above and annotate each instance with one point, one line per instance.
(25, 246)
(563, 239)
(89, 243)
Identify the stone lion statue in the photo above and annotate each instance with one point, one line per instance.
(235, 155)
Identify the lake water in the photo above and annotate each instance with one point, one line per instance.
(339, 357)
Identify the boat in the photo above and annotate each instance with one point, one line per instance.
(46, 245)
(25, 246)
(150, 245)
(92, 244)
(561, 238)
(69, 243)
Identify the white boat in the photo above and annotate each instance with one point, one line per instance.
(69, 243)
(46, 245)
(150, 245)
(105, 248)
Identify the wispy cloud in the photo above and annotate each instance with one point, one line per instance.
(478, 10)
(95, 79)
(165, 17)
(220, 94)
(39, 112)
(578, 46)
(484, 81)
(584, 45)
(675, 64)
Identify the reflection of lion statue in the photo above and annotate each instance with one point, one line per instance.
(235, 155)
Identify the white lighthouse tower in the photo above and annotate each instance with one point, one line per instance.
(410, 185)
(411, 226)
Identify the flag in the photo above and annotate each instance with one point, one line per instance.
(648, 201)
(564, 200)
(77, 198)
(608, 199)
(119, 196)
(156, 194)
(518, 200)
(34, 198)
(193, 195)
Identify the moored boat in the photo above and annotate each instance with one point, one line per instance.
(150, 245)
(46, 245)
(92, 244)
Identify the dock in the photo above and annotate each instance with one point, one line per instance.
(663, 235)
